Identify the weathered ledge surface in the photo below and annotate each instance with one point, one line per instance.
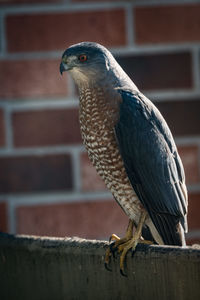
(72, 268)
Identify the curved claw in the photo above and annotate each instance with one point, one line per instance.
(113, 249)
(106, 267)
(107, 259)
(133, 253)
(122, 273)
(133, 250)
(110, 238)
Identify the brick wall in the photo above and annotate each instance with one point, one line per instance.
(47, 185)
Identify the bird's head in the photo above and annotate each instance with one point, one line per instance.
(87, 62)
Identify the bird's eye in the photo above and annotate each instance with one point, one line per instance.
(82, 57)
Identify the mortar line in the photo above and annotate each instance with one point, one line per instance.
(146, 3)
(16, 200)
(123, 50)
(193, 234)
(51, 55)
(73, 102)
(196, 68)
(156, 48)
(78, 148)
(46, 150)
(129, 25)
(187, 140)
(65, 197)
(193, 188)
(11, 216)
(60, 8)
(76, 169)
(198, 163)
(73, 7)
(172, 95)
(26, 104)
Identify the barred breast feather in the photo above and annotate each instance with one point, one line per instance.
(97, 120)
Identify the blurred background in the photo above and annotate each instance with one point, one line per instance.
(47, 184)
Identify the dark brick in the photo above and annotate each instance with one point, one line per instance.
(84, 219)
(97, 219)
(3, 217)
(35, 173)
(193, 212)
(2, 129)
(190, 159)
(59, 30)
(181, 116)
(31, 78)
(46, 127)
(159, 71)
(165, 24)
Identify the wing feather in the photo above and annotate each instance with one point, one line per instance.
(153, 165)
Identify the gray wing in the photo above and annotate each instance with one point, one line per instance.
(153, 165)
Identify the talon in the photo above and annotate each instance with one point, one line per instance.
(107, 268)
(122, 273)
(107, 259)
(133, 253)
(113, 249)
(125, 244)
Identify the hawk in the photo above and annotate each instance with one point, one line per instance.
(131, 147)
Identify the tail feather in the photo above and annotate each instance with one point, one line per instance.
(170, 229)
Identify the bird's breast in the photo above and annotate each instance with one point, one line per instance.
(98, 116)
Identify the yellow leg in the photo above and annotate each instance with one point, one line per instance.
(117, 242)
(128, 235)
(130, 241)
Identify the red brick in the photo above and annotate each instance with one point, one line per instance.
(35, 173)
(31, 78)
(3, 217)
(98, 219)
(182, 116)
(159, 71)
(193, 212)
(59, 30)
(193, 240)
(85, 219)
(165, 24)
(189, 156)
(46, 127)
(2, 129)
(90, 180)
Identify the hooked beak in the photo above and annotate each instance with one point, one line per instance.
(62, 68)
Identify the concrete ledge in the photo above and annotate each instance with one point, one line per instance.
(55, 268)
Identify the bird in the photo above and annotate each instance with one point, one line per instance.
(132, 148)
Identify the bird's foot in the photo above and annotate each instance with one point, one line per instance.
(123, 245)
(130, 245)
(116, 242)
